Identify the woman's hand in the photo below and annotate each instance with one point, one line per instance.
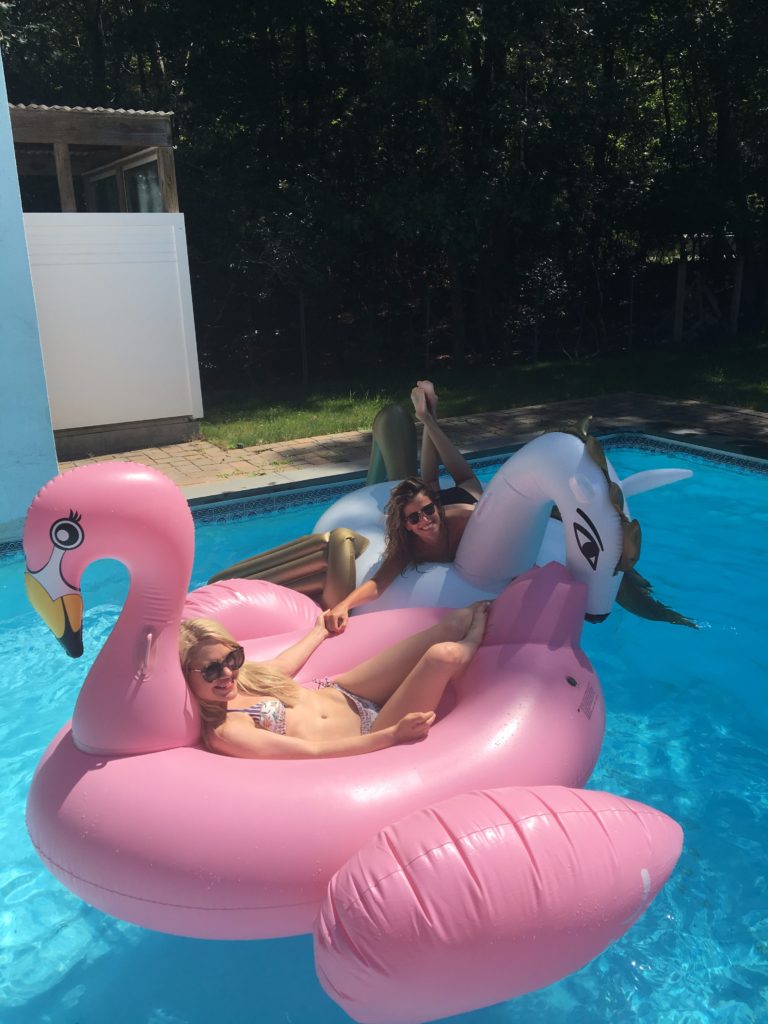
(321, 628)
(336, 619)
(292, 659)
(413, 726)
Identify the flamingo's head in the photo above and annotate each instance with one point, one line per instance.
(118, 510)
(56, 600)
(133, 699)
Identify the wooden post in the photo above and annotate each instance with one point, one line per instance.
(303, 339)
(64, 177)
(536, 322)
(630, 338)
(457, 302)
(166, 170)
(427, 324)
(738, 280)
(682, 270)
(122, 198)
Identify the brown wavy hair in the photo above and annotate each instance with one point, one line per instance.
(253, 677)
(399, 540)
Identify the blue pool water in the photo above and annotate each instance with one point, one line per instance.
(686, 732)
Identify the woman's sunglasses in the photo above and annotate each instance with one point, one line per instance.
(427, 512)
(215, 669)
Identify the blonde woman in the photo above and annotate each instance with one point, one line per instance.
(255, 709)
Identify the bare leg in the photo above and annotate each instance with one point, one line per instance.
(423, 687)
(429, 464)
(437, 445)
(379, 677)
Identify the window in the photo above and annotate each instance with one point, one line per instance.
(102, 195)
(131, 185)
(142, 188)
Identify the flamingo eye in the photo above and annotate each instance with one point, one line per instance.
(588, 539)
(67, 533)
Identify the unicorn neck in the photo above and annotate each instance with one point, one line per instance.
(504, 535)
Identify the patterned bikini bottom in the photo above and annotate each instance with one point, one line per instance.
(366, 709)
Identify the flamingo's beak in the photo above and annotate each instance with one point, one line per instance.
(62, 615)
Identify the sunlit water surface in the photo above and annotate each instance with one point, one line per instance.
(686, 733)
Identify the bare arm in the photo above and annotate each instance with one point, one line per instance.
(241, 737)
(336, 618)
(292, 659)
(436, 445)
(439, 444)
(429, 464)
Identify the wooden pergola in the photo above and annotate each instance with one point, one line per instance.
(73, 142)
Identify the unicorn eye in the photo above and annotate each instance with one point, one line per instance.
(588, 539)
(587, 545)
(67, 534)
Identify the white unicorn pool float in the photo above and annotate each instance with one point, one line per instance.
(437, 878)
(512, 529)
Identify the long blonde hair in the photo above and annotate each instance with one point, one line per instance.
(253, 677)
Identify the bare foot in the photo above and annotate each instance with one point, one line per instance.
(480, 612)
(458, 622)
(466, 648)
(429, 390)
(420, 404)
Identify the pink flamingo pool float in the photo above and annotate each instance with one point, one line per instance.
(437, 878)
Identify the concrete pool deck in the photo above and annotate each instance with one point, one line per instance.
(204, 471)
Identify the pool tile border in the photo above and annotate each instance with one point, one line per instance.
(9, 548)
(278, 497)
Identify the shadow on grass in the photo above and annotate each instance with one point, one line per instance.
(730, 374)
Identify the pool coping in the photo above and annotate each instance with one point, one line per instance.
(275, 498)
(204, 471)
(219, 508)
(713, 454)
(343, 458)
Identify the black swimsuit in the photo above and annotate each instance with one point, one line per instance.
(456, 496)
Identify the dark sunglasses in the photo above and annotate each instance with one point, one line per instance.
(215, 669)
(427, 512)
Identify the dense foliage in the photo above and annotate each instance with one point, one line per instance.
(368, 179)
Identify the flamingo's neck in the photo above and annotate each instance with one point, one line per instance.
(134, 699)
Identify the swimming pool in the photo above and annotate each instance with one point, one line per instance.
(686, 733)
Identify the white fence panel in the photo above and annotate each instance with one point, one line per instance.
(114, 307)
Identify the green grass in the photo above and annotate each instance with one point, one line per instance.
(731, 374)
(284, 413)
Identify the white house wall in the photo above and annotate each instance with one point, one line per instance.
(115, 312)
(27, 452)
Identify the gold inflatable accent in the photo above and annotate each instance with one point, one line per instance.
(635, 596)
(320, 565)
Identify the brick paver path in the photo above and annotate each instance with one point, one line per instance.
(201, 467)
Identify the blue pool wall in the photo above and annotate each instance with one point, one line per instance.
(27, 451)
